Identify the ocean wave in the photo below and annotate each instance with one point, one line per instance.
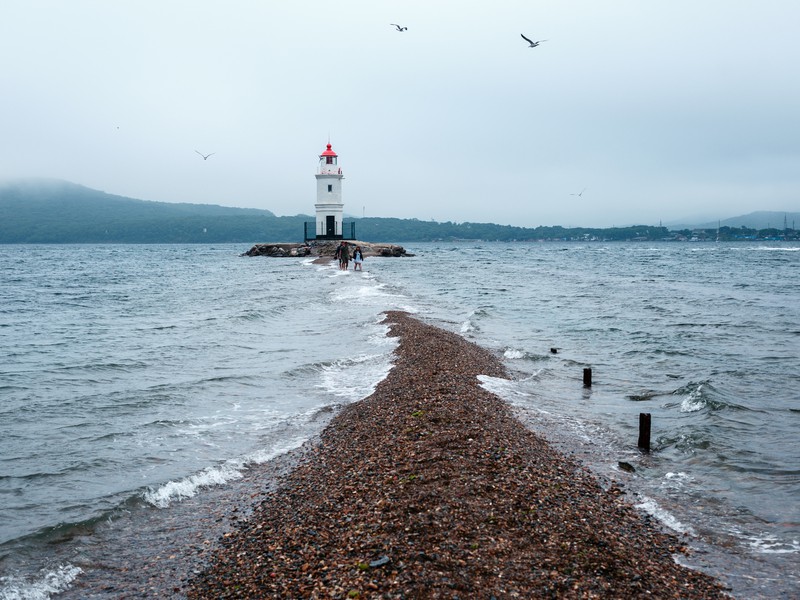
(694, 396)
(468, 326)
(644, 396)
(355, 378)
(39, 588)
(697, 396)
(189, 486)
(776, 249)
(771, 544)
(517, 354)
(515, 392)
(381, 335)
(686, 441)
(676, 481)
(651, 507)
(694, 401)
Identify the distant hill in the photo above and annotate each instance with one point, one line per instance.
(58, 212)
(54, 211)
(762, 219)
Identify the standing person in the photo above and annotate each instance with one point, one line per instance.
(337, 254)
(358, 258)
(344, 256)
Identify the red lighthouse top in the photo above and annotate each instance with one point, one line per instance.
(328, 152)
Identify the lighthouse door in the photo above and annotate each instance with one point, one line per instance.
(330, 226)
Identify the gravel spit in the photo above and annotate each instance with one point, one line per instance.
(431, 488)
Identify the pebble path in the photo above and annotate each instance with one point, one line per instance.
(431, 488)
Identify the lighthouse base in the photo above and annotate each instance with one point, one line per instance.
(310, 227)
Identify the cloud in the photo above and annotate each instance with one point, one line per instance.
(660, 109)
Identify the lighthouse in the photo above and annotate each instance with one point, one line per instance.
(330, 208)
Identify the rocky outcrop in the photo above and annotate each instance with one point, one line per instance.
(279, 250)
(325, 248)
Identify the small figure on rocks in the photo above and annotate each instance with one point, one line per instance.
(358, 258)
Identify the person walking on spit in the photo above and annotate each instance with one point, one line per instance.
(358, 258)
(344, 256)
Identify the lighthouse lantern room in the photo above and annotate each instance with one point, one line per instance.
(330, 208)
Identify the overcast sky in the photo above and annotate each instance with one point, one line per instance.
(661, 110)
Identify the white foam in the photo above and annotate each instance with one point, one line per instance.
(188, 487)
(778, 249)
(676, 480)
(512, 391)
(213, 476)
(694, 401)
(362, 290)
(652, 508)
(513, 354)
(770, 544)
(355, 378)
(266, 455)
(51, 582)
(407, 308)
(381, 336)
(499, 386)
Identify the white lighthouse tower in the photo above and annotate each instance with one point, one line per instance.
(330, 208)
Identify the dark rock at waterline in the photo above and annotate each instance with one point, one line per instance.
(279, 250)
(324, 249)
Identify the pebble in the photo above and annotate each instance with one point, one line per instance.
(436, 473)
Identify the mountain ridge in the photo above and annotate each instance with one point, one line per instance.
(58, 211)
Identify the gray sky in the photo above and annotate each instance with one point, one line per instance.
(662, 110)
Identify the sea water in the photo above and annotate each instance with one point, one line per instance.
(141, 376)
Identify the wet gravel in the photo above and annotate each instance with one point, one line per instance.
(431, 488)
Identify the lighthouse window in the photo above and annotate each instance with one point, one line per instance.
(329, 160)
(330, 187)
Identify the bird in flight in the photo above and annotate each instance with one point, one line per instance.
(583, 190)
(205, 156)
(531, 42)
(398, 27)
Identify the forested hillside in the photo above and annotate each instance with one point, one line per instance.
(49, 211)
(58, 212)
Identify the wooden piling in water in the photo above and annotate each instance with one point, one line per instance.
(587, 378)
(644, 432)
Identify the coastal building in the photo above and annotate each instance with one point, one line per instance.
(329, 223)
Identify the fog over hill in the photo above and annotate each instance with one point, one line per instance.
(762, 219)
(55, 211)
(55, 193)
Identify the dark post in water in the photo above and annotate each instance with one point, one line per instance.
(644, 431)
(587, 378)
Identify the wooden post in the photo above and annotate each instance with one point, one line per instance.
(644, 431)
(587, 378)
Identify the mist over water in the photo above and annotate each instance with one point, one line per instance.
(145, 375)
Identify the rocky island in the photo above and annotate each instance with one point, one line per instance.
(323, 249)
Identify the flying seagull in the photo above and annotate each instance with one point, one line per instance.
(583, 190)
(531, 42)
(398, 27)
(205, 156)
